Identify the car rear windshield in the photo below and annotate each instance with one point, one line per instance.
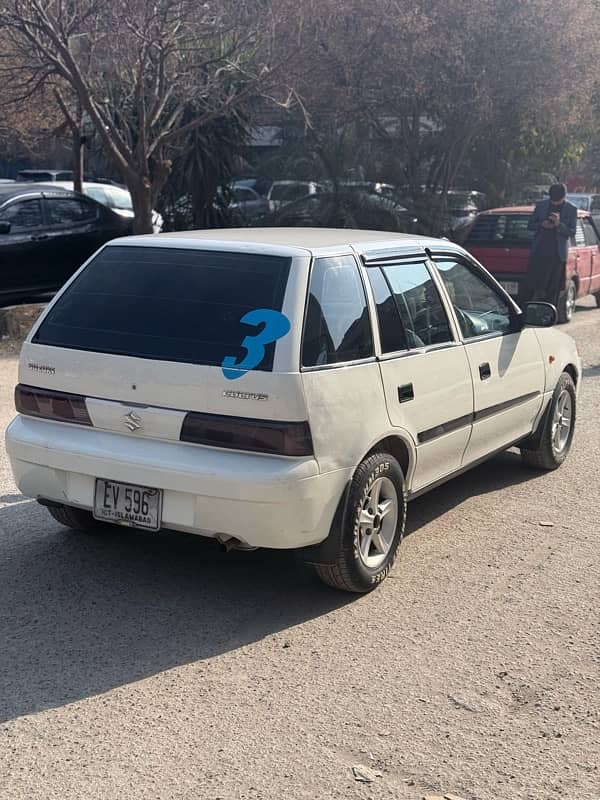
(500, 229)
(167, 304)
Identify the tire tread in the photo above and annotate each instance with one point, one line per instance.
(543, 457)
(340, 574)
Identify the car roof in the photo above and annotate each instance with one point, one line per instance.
(312, 240)
(10, 190)
(47, 171)
(522, 210)
(69, 185)
(292, 183)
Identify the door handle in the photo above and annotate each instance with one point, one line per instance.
(40, 238)
(406, 393)
(485, 371)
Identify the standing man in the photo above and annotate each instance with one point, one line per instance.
(554, 223)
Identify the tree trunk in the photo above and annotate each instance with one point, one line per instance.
(78, 160)
(141, 197)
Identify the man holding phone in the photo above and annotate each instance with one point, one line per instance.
(554, 223)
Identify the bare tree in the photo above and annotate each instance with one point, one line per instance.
(136, 67)
(432, 77)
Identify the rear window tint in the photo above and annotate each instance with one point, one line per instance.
(499, 229)
(167, 304)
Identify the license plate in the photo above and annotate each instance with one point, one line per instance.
(512, 287)
(127, 504)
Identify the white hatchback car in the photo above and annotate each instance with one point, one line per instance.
(282, 388)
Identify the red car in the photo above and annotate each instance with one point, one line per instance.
(499, 239)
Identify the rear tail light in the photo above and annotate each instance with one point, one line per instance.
(257, 435)
(34, 402)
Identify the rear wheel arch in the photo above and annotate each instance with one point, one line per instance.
(397, 447)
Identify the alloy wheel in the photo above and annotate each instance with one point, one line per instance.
(378, 520)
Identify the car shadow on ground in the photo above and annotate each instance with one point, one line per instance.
(500, 472)
(82, 614)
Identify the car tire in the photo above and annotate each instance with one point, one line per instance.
(75, 518)
(558, 428)
(566, 302)
(372, 527)
(597, 296)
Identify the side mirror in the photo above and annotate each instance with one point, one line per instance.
(5, 227)
(540, 315)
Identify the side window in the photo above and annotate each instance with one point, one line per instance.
(243, 195)
(479, 307)
(579, 234)
(69, 211)
(23, 214)
(595, 206)
(337, 326)
(591, 237)
(418, 301)
(391, 333)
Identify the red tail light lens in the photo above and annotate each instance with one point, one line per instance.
(257, 435)
(34, 402)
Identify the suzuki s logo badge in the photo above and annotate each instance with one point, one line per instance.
(133, 421)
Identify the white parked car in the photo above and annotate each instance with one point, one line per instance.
(114, 197)
(283, 192)
(282, 388)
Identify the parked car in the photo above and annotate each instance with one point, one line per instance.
(371, 187)
(463, 208)
(245, 204)
(452, 214)
(45, 235)
(342, 209)
(586, 202)
(259, 183)
(282, 388)
(44, 175)
(499, 239)
(115, 197)
(283, 192)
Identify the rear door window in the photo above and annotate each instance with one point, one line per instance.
(391, 332)
(419, 303)
(337, 326)
(67, 211)
(500, 230)
(23, 215)
(167, 304)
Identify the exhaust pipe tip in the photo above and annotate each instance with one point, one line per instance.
(229, 543)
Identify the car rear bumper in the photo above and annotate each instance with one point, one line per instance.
(264, 501)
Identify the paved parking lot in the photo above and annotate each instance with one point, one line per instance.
(152, 666)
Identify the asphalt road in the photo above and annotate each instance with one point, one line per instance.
(152, 666)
